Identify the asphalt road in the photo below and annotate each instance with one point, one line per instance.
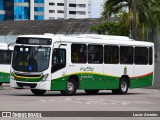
(136, 100)
(157, 76)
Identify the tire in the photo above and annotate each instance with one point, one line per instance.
(38, 92)
(123, 87)
(115, 91)
(71, 88)
(0, 84)
(91, 92)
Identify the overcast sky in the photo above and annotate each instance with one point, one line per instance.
(96, 5)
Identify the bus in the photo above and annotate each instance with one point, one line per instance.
(81, 62)
(5, 62)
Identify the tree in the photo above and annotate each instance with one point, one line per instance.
(117, 27)
(112, 7)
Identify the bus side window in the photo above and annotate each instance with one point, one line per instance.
(150, 56)
(58, 59)
(141, 55)
(7, 57)
(126, 55)
(111, 54)
(1, 57)
(95, 54)
(78, 53)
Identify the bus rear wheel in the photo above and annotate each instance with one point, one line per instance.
(0, 84)
(91, 92)
(123, 87)
(38, 92)
(71, 88)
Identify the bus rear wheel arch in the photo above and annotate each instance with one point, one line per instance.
(38, 92)
(71, 87)
(123, 86)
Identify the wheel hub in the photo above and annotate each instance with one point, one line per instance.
(124, 86)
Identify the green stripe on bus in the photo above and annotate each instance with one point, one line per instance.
(4, 77)
(99, 81)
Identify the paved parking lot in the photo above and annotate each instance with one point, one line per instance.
(23, 100)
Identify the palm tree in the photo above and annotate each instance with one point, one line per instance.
(112, 7)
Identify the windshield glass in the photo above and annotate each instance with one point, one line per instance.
(31, 58)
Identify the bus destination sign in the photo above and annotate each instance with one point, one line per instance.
(34, 41)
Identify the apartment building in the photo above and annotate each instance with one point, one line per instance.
(67, 9)
(47, 9)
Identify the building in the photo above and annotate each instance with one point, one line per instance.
(62, 9)
(49, 9)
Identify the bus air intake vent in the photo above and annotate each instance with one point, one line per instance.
(24, 75)
(31, 85)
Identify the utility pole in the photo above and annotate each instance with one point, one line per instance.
(134, 36)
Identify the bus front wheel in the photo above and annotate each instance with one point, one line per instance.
(71, 88)
(38, 92)
(0, 84)
(123, 87)
(91, 92)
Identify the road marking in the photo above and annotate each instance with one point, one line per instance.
(43, 100)
(96, 101)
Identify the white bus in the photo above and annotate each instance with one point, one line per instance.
(85, 62)
(5, 62)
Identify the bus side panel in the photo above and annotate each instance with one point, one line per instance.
(143, 76)
(5, 73)
(59, 80)
(114, 73)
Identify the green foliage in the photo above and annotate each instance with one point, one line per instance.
(119, 27)
(111, 28)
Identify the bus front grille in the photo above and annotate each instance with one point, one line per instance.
(31, 85)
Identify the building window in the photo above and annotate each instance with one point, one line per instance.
(51, 11)
(60, 4)
(82, 5)
(39, 9)
(72, 5)
(20, 0)
(126, 55)
(81, 12)
(38, 1)
(141, 55)
(51, 3)
(95, 54)
(72, 12)
(21, 13)
(37, 17)
(2, 17)
(78, 53)
(111, 54)
(60, 11)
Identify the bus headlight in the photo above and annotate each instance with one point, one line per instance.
(45, 77)
(12, 76)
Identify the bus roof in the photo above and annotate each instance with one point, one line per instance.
(5, 46)
(92, 38)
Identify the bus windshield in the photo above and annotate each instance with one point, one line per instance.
(31, 58)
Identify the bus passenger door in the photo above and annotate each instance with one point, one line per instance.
(58, 68)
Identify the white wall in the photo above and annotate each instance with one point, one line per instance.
(66, 9)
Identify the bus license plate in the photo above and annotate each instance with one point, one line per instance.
(27, 87)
